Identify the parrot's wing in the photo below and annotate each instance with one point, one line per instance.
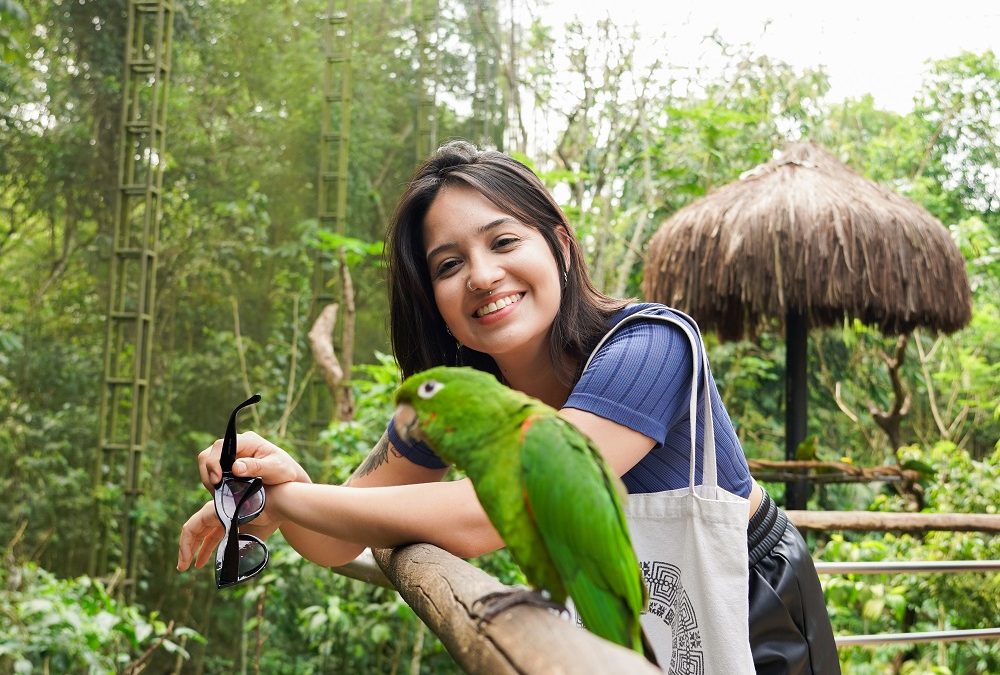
(573, 498)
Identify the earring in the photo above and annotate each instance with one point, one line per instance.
(565, 278)
(458, 346)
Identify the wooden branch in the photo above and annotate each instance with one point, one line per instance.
(259, 636)
(958, 420)
(648, 202)
(321, 344)
(829, 472)
(442, 589)
(364, 568)
(895, 364)
(292, 367)
(926, 157)
(303, 386)
(877, 521)
(826, 378)
(842, 404)
(929, 383)
(242, 352)
(824, 478)
(138, 665)
(344, 395)
(889, 420)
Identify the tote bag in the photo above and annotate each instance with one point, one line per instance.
(692, 547)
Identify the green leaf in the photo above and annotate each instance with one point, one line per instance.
(873, 609)
(174, 648)
(925, 469)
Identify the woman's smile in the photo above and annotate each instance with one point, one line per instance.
(496, 280)
(494, 309)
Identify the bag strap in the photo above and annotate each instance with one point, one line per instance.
(709, 468)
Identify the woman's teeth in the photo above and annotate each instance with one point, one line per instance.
(498, 305)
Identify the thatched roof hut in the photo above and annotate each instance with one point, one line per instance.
(808, 241)
(805, 233)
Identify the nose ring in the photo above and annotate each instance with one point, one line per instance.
(468, 284)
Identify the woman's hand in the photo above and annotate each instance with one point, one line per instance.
(202, 534)
(255, 456)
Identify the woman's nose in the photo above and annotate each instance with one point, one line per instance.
(484, 274)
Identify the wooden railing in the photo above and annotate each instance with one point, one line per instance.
(443, 590)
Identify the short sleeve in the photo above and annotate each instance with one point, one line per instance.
(418, 453)
(640, 378)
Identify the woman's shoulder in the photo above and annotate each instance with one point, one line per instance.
(645, 331)
(636, 311)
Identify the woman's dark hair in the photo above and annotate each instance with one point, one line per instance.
(420, 338)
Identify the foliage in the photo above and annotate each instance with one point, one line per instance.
(867, 604)
(237, 292)
(300, 618)
(75, 625)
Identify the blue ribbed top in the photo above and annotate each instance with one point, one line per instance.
(641, 378)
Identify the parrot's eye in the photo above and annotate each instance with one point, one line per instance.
(429, 388)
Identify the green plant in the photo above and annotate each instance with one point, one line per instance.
(75, 625)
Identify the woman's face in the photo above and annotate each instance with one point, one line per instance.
(471, 244)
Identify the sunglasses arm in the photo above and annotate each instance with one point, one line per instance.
(229, 441)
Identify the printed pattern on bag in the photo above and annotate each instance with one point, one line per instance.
(695, 622)
(670, 602)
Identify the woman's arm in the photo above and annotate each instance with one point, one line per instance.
(388, 501)
(445, 514)
(403, 503)
(621, 447)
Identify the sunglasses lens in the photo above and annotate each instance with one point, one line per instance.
(234, 495)
(253, 555)
(251, 559)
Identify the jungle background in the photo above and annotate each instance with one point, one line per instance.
(632, 144)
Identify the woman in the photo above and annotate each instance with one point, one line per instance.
(485, 271)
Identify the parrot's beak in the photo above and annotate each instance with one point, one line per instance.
(407, 425)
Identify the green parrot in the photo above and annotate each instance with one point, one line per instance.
(545, 488)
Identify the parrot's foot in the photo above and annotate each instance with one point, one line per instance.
(498, 601)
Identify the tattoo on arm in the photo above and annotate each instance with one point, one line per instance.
(376, 458)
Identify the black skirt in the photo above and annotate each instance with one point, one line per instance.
(790, 630)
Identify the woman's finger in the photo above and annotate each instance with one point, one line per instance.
(252, 444)
(268, 468)
(208, 465)
(209, 546)
(200, 528)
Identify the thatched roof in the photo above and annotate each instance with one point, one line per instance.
(804, 232)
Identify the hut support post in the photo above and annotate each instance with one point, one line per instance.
(796, 396)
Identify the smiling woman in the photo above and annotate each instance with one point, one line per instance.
(484, 271)
(463, 196)
(495, 280)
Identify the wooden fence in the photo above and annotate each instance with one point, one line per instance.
(442, 590)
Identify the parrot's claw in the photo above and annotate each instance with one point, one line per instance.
(498, 601)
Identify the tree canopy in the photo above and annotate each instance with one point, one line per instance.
(622, 146)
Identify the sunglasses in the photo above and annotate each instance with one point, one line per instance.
(238, 500)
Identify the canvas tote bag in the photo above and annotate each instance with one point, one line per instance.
(692, 547)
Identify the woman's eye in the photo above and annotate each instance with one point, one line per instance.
(505, 242)
(445, 267)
